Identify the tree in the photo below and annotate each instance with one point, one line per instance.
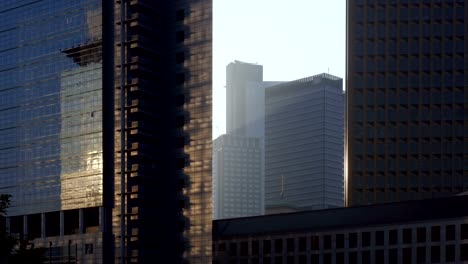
(7, 242)
(24, 252)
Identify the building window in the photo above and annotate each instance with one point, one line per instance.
(421, 234)
(435, 233)
(315, 258)
(315, 242)
(450, 232)
(327, 258)
(279, 246)
(302, 244)
(393, 255)
(340, 258)
(421, 255)
(435, 254)
(255, 247)
(379, 256)
(464, 231)
(366, 257)
(366, 238)
(407, 256)
(352, 258)
(327, 242)
(379, 238)
(352, 240)
(266, 246)
(450, 253)
(302, 259)
(340, 241)
(290, 245)
(393, 237)
(464, 252)
(407, 236)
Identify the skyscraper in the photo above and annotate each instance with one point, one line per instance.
(237, 177)
(304, 144)
(63, 67)
(407, 100)
(238, 77)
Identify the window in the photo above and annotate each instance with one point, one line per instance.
(407, 236)
(464, 252)
(379, 256)
(315, 242)
(352, 258)
(279, 246)
(366, 257)
(290, 244)
(421, 255)
(366, 239)
(302, 244)
(450, 253)
(340, 258)
(435, 233)
(450, 232)
(327, 242)
(393, 255)
(421, 234)
(464, 231)
(379, 238)
(435, 254)
(266, 246)
(406, 255)
(353, 240)
(340, 241)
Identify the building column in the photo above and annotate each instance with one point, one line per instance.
(101, 219)
(25, 226)
(80, 221)
(62, 224)
(43, 225)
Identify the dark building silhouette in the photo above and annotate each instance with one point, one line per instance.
(63, 67)
(407, 99)
(420, 231)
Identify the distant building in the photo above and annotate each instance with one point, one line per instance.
(238, 76)
(237, 178)
(424, 231)
(407, 98)
(304, 126)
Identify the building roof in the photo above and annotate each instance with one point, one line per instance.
(340, 218)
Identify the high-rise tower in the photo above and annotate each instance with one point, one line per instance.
(304, 144)
(407, 98)
(63, 68)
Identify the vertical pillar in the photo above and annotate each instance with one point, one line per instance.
(25, 226)
(62, 224)
(80, 221)
(43, 225)
(101, 219)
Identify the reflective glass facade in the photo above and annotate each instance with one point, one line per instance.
(50, 109)
(304, 144)
(407, 100)
(60, 127)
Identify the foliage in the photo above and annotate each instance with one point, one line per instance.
(27, 254)
(24, 252)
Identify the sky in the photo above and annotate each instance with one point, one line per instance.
(292, 39)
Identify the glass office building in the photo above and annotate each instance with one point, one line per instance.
(407, 100)
(61, 65)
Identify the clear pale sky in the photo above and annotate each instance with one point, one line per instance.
(292, 39)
